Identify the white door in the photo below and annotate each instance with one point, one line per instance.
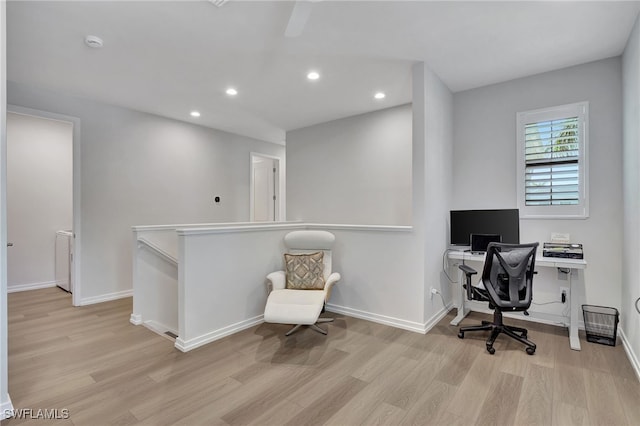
(264, 189)
(63, 259)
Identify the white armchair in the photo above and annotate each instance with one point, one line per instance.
(296, 306)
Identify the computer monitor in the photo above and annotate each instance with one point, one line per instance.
(480, 242)
(503, 222)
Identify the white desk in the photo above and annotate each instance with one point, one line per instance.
(544, 262)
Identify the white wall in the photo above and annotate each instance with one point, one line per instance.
(381, 276)
(220, 293)
(39, 196)
(630, 318)
(432, 161)
(141, 169)
(5, 401)
(353, 170)
(373, 286)
(219, 289)
(155, 273)
(484, 159)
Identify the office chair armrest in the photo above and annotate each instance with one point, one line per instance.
(277, 281)
(468, 271)
(333, 279)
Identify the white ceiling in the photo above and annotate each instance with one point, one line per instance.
(171, 57)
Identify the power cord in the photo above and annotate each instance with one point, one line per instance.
(436, 291)
(445, 267)
(546, 303)
(565, 311)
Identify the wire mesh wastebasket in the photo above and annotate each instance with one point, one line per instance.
(600, 324)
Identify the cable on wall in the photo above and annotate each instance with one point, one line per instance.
(445, 266)
(637, 308)
(546, 303)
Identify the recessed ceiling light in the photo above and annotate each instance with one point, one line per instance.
(379, 95)
(231, 91)
(195, 114)
(313, 75)
(93, 41)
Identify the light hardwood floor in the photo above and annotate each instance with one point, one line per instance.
(93, 362)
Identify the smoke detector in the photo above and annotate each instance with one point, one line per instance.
(93, 42)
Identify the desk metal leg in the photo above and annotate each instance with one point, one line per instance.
(462, 310)
(574, 339)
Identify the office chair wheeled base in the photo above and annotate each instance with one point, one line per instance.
(311, 326)
(496, 327)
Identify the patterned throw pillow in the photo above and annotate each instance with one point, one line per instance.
(304, 271)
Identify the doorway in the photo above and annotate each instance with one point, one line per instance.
(41, 201)
(264, 188)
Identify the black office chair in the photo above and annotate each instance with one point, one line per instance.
(508, 279)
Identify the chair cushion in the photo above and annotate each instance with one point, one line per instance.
(304, 271)
(294, 306)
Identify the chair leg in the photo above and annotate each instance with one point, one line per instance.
(491, 340)
(313, 326)
(318, 329)
(483, 327)
(522, 331)
(496, 327)
(531, 347)
(293, 330)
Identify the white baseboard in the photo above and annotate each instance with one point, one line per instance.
(135, 319)
(380, 319)
(30, 286)
(159, 328)
(105, 297)
(6, 409)
(196, 342)
(437, 317)
(187, 345)
(633, 357)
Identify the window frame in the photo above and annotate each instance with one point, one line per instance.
(574, 211)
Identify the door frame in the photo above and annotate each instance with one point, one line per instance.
(76, 280)
(278, 184)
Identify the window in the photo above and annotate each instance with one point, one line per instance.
(552, 166)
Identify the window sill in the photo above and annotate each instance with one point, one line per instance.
(554, 216)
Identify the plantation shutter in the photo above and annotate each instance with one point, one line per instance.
(552, 169)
